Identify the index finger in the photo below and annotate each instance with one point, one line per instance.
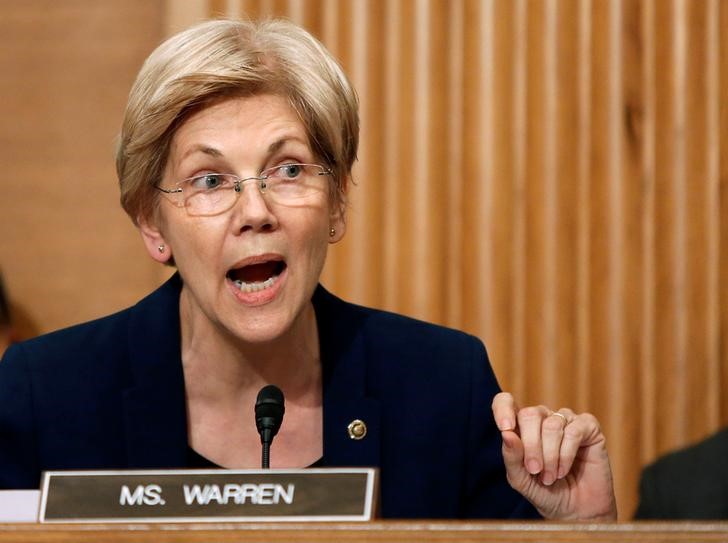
(504, 411)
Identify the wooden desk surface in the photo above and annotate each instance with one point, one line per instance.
(380, 532)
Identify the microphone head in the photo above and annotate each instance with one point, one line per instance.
(269, 409)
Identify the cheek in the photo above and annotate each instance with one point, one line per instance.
(195, 242)
(314, 239)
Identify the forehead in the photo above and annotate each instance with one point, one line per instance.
(254, 122)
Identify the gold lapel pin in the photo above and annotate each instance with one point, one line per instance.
(357, 429)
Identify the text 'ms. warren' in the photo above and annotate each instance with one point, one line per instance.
(194, 494)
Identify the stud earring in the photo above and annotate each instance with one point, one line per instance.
(332, 232)
(161, 248)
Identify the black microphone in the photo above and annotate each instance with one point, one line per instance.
(269, 409)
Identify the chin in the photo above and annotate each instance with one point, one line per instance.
(259, 333)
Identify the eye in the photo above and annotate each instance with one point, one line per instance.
(208, 181)
(289, 171)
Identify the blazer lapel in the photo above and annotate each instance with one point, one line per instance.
(345, 401)
(154, 405)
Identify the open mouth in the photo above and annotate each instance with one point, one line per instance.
(256, 277)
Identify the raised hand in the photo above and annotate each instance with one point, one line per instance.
(556, 459)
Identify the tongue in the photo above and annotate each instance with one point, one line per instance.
(256, 273)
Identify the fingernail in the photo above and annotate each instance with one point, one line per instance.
(533, 466)
(562, 473)
(547, 479)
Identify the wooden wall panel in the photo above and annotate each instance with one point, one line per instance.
(67, 250)
(549, 175)
(722, 181)
(575, 223)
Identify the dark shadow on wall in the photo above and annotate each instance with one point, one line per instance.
(16, 323)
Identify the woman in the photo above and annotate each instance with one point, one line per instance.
(234, 159)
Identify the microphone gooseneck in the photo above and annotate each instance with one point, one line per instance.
(269, 409)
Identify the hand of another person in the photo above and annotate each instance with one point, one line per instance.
(557, 460)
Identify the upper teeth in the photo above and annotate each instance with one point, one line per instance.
(256, 286)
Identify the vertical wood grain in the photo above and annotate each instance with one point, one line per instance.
(582, 219)
(550, 175)
(722, 137)
(643, 121)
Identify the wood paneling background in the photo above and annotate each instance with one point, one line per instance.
(67, 250)
(549, 175)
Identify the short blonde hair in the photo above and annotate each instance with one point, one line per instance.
(224, 58)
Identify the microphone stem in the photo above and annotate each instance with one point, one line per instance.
(266, 455)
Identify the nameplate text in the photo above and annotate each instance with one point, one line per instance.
(316, 494)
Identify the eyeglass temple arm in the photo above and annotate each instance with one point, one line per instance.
(168, 191)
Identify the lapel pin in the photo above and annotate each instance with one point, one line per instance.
(357, 429)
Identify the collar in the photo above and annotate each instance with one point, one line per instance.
(154, 404)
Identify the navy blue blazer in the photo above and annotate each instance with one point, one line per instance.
(110, 394)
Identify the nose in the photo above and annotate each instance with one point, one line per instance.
(252, 211)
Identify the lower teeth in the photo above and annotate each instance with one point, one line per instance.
(255, 287)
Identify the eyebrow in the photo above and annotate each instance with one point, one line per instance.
(276, 145)
(200, 148)
(216, 153)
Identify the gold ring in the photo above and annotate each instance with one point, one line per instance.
(557, 414)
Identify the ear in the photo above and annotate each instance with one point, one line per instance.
(337, 222)
(154, 241)
(337, 214)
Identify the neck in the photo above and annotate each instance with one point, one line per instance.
(219, 366)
